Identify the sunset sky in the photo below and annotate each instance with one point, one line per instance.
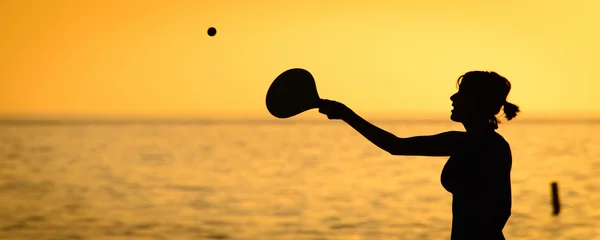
(154, 58)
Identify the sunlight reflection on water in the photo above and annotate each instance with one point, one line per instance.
(278, 181)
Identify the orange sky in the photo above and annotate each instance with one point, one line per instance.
(155, 58)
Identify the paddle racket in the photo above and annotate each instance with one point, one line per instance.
(291, 93)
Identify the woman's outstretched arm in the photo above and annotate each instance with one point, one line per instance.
(442, 144)
(381, 138)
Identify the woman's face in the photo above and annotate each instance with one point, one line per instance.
(457, 107)
(464, 106)
(474, 101)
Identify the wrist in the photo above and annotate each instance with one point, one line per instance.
(349, 115)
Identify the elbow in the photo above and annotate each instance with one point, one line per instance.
(396, 152)
(393, 151)
(395, 147)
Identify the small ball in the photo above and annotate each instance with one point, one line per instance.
(212, 31)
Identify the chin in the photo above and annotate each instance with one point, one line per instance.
(454, 117)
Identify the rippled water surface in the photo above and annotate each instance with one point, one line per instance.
(274, 181)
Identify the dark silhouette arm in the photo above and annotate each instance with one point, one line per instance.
(443, 144)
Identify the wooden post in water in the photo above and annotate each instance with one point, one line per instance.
(555, 200)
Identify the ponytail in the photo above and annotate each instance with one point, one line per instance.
(510, 110)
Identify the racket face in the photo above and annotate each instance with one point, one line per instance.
(292, 92)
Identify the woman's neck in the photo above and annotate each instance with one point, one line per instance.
(478, 126)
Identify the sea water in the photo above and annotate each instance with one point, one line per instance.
(280, 180)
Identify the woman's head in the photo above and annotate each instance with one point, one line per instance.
(480, 97)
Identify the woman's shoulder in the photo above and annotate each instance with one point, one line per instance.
(502, 142)
(492, 143)
(500, 151)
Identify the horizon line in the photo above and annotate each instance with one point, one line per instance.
(273, 120)
(257, 116)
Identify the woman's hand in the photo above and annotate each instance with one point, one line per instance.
(333, 109)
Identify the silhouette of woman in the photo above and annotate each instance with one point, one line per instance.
(477, 172)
